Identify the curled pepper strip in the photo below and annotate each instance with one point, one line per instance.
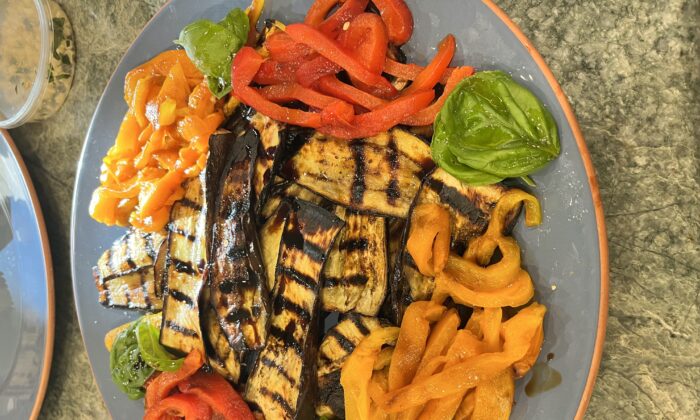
(429, 238)
(415, 328)
(517, 293)
(356, 372)
(493, 277)
(517, 332)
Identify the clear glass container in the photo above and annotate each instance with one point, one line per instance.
(37, 60)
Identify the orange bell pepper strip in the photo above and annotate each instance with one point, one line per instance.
(429, 238)
(427, 115)
(331, 50)
(508, 203)
(215, 391)
(356, 373)
(415, 328)
(517, 293)
(518, 333)
(398, 19)
(493, 398)
(160, 387)
(490, 324)
(432, 73)
(466, 408)
(381, 119)
(179, 405)
(496, 276)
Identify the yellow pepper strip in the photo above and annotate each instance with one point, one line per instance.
(495, 276)
(411, 343)
(429, 238)
(518, 333)
(466, 408)
(518, 293)
(356, 373)
(490, 325)
(464, 346)
(383, 358)
(493, 398)
(523, 365)
(254, 11)
(508, 203)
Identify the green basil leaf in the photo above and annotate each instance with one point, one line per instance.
(211, 47)
(493, 125)
(152, 352)
(129, 371)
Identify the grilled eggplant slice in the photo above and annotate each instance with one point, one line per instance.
(336, 346)
(237, 279)
(279, 382)
(277, 140)
(282, 190)
(270, 239)
(223, 358)
(378, 175)
(124, 274)
(188, 249)
(355, 276)
(470, 210)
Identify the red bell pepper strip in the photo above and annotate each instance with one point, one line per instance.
(411, 71)
(332, 51)
(431, 74)
(367, 40)
(218, 394)
(309, 72)
(179, 405)
(318, 11)
(284, 49)
(338, 112)
(289, 92)
(332, 86)
(381, 119)
(160, 387)
(333, 25)
(245, 65)
(398, 19)
(426, 116)
(272, 72)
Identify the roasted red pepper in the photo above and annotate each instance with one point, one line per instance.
(398, 19)
(273, 72)
(426, 116)
(309, 72)
(284, 49)
(381, 119)
(332, 86)
(289, 92)
(330, 49)
(318, 11)
(160, 387)
(367, 40)
(333, 25)
(179, 405)
(217, 393)
(432, 73)
(245, 65)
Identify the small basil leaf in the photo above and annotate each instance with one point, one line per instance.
(211, 47)
(129, 371)
(152, 352)
(237, 23)
(493, 125)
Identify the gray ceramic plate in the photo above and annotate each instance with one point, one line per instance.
(26, 291)
(567, 253)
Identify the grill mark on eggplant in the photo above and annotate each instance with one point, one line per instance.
(237, 279)
(291, 342)
(451, 195)
(180, 329)
(357, 321)
(181, 297)
(190, 237)
(393, 192)
(183, 267)
(343, 341)
(355, 244)
(186, 202)
(358, 182)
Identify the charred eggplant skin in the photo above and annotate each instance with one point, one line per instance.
(282, 377)
(236, 276)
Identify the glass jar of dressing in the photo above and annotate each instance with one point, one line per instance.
(37, 60)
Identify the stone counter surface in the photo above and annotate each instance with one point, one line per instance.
(632, 73)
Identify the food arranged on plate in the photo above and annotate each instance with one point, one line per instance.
(318, 227)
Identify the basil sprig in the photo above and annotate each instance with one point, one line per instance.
(211, 47)
(492, 128)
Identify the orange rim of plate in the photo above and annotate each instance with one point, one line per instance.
(46, 250)
(595, 194)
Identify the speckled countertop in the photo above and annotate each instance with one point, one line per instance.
(632, 72)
